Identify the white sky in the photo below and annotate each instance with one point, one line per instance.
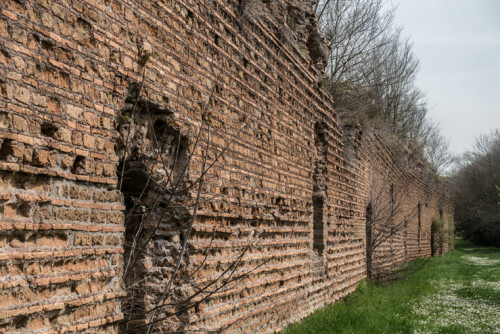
(458, 45)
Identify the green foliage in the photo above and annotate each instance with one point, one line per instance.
(424, 303)
(146, 56)
(476, 195)
(123, 119)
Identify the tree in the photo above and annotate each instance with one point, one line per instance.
(476, 191)
(436, 148)
(371, 76)
(355, 29)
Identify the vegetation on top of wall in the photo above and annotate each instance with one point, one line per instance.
(371, 75)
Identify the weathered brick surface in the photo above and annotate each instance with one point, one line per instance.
(60, 265)
(283, 184)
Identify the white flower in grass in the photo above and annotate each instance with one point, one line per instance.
(480, 261)
(447, 309)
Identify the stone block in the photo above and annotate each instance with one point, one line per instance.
(73, 111)
(41, 158)
(4, 28)
(82, 239)
(22, 94)
(6, 90)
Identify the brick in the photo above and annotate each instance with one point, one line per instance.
(77, 138)
(6, 90)
(52, 241)
(3, 28)
(19, 63)
(73, 111)
(39, 100)
(53, 105)
(89, 141)
(41, 158)
(47, 19)
(19, 35)
(22, 94)
(63, 134)
(82, 239)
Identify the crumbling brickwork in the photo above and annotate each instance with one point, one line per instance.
(69, 73)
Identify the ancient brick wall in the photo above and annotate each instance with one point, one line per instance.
(69, 71)
(399, 204)
(61, 219)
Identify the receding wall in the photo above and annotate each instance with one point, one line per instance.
(69, 73)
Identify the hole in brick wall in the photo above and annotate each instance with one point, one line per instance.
(83, 25)
(318, 225)
(319, 187)
(351, 137)
(11, 150)
(393, 205)
(24, 209)
(218, 89)
(53, 316)
(36, 37)
(49, 129)
(5, 89)
(48, 45)
(157, 152)
(79, 165)
(419, 217)
(6, 148)
(5, 56)
(369, 238)
(34, 182)
(18, 5)
(135, 178)
(20, 322)
(162, 128)
(31, 239)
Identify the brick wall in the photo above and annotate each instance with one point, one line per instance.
(68, 70)
(62, 219)
(402, 207)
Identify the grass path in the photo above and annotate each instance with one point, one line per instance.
(457, 293)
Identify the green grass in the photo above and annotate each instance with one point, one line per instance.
(457, 293)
